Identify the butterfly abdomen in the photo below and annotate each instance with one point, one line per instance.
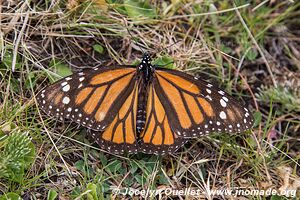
(141, 109)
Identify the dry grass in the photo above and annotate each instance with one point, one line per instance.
(251, 50)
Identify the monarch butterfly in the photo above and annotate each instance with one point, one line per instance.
(143, 108)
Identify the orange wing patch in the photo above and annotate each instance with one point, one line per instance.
(194, 109)
(110, 97)
(110, 75)
(157, 130)
(82, 95)
(119, 134)
(108, 133)
(93, 101)
(206, 107)
(123, 127)
(177, 102)
(169, 138)
(57, 98)
(126, 106)
(230, 114)
(159, 109)
(157, 139)
(52, 93)
(147, 134)
(237, 112)
(129, 126)
(180, 82)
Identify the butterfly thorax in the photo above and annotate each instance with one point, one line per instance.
(146, 69)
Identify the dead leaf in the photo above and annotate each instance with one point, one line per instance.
(71, 4)
(284, 172)
(101, 4)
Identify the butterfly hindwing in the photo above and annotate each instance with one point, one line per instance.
(195, 107)
(157, 136)
(92, 97)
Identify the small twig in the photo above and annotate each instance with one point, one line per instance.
(259, 5)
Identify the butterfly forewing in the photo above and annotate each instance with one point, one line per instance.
(92, 97)
(195, 107)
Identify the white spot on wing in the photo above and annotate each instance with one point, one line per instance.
(66, 100)
(221, 92)
(208, 97)
(223, 103)
(223, 115)
(225, 98)
(64, 83)
(66, 88)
